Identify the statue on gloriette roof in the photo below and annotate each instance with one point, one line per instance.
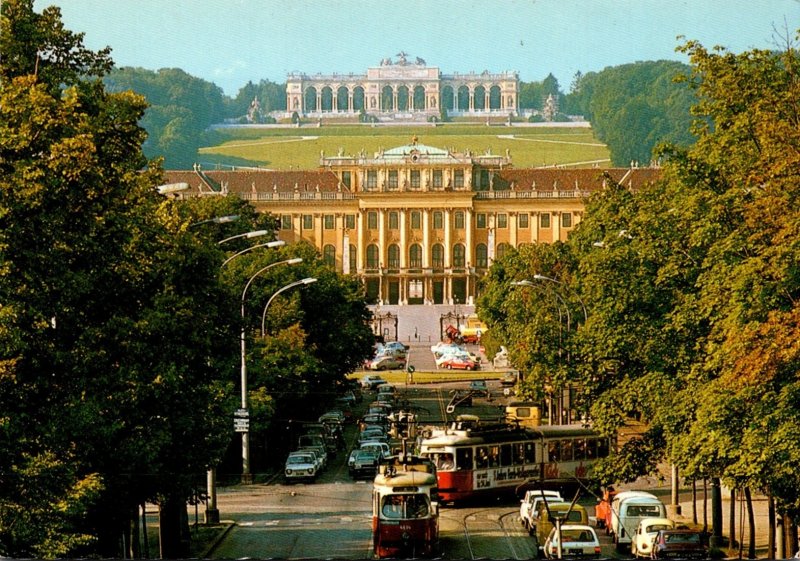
(401, 60)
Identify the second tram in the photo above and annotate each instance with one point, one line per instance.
(474, 459)
(405, 510)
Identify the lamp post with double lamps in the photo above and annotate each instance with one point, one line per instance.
(550, 279)
(301, 282)
(247, 477)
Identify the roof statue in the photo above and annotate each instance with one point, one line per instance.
(401, 60)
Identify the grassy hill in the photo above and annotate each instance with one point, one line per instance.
(300, 148)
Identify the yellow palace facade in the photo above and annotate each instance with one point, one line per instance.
(417, 224)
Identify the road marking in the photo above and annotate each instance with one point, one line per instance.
(272, 523)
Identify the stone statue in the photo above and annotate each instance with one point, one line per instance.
(420, 61)
(386, 62)
(402, 58)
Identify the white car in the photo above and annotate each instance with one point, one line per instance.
(642, 543)
(577, 541)
(301, 466)
(528, 507)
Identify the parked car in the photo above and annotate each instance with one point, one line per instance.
(370, 382)
(479, 387)
(396, 345)
(385, 362)
(528, 507)
(365, 463)
(681, 544)
(316, 443)
(301, 466)
(577, 541)
(459, 363)
(381, 447)
(546, 516)
(642, 544)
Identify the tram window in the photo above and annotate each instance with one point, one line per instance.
(505, 455)
(530, 453)
(566, 450)
(554, 451)
(519, 453)
(579, 451)
(591, 448)
(444, 461)
(494, 456)
(464, 458)
(482, 458)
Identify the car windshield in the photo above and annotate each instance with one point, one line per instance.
(682, 538)
(576, 535)
(300, 460)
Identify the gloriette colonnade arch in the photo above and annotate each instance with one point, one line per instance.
(403, 87)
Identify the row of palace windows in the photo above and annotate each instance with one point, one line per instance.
(501, 220)
(415, 256)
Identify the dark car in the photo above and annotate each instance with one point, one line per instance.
(679, 544)
(365, 464)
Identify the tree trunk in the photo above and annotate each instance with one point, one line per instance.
(705, 505)
(716, 513)
(694, 502)
(173, 538)
(732, 544)
(751, 524)
(771, 534)
(136, 549)
(789, 535)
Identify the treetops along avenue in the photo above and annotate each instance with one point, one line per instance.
(120, 324)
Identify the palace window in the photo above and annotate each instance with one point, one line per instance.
(394, 256)
(437, 256)
(459, 220)
(329, 255)
(415, 289)
(329, 221)
(438, 220)
(544, 220)
(483, 181)
(416, 220)
(308, 222)
(415, 179)
(415, 256)
(393, 179)
(372, 220)
(346, 178)
(481, 256)
(394, 220)
(350, 221)
(459, 256)
(501, 250)
(437, 179)
(522, 220)
(458, 179)
(566, 219)
(353, 259)
(372, 256)
(286, 222)
(480, 220)
(502, 221)
(372, 180)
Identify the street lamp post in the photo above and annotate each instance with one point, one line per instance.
(304, 281)
(248, 235)
(550, 279)
(276, 243)
(247, 477)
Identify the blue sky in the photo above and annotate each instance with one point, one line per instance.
(231, 42)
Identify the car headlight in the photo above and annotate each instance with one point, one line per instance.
(288, 472)
(311, 470)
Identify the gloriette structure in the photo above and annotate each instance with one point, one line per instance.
(401, 89)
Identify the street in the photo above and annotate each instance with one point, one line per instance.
(331, 517)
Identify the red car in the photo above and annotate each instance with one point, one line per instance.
(459, 363)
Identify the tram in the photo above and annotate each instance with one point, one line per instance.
(405, 509)
(475, 459)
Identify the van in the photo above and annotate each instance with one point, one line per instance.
(545, 519)
(629, 512)
(525, 413)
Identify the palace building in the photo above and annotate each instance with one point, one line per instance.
(417, 224)
(403, 90)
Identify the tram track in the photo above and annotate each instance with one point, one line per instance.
(480, 529)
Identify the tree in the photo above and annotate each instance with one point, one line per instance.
(111, 316)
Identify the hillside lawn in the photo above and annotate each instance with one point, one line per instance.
(300, 148)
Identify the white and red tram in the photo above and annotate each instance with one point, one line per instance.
(474, 459)
(405, 509)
